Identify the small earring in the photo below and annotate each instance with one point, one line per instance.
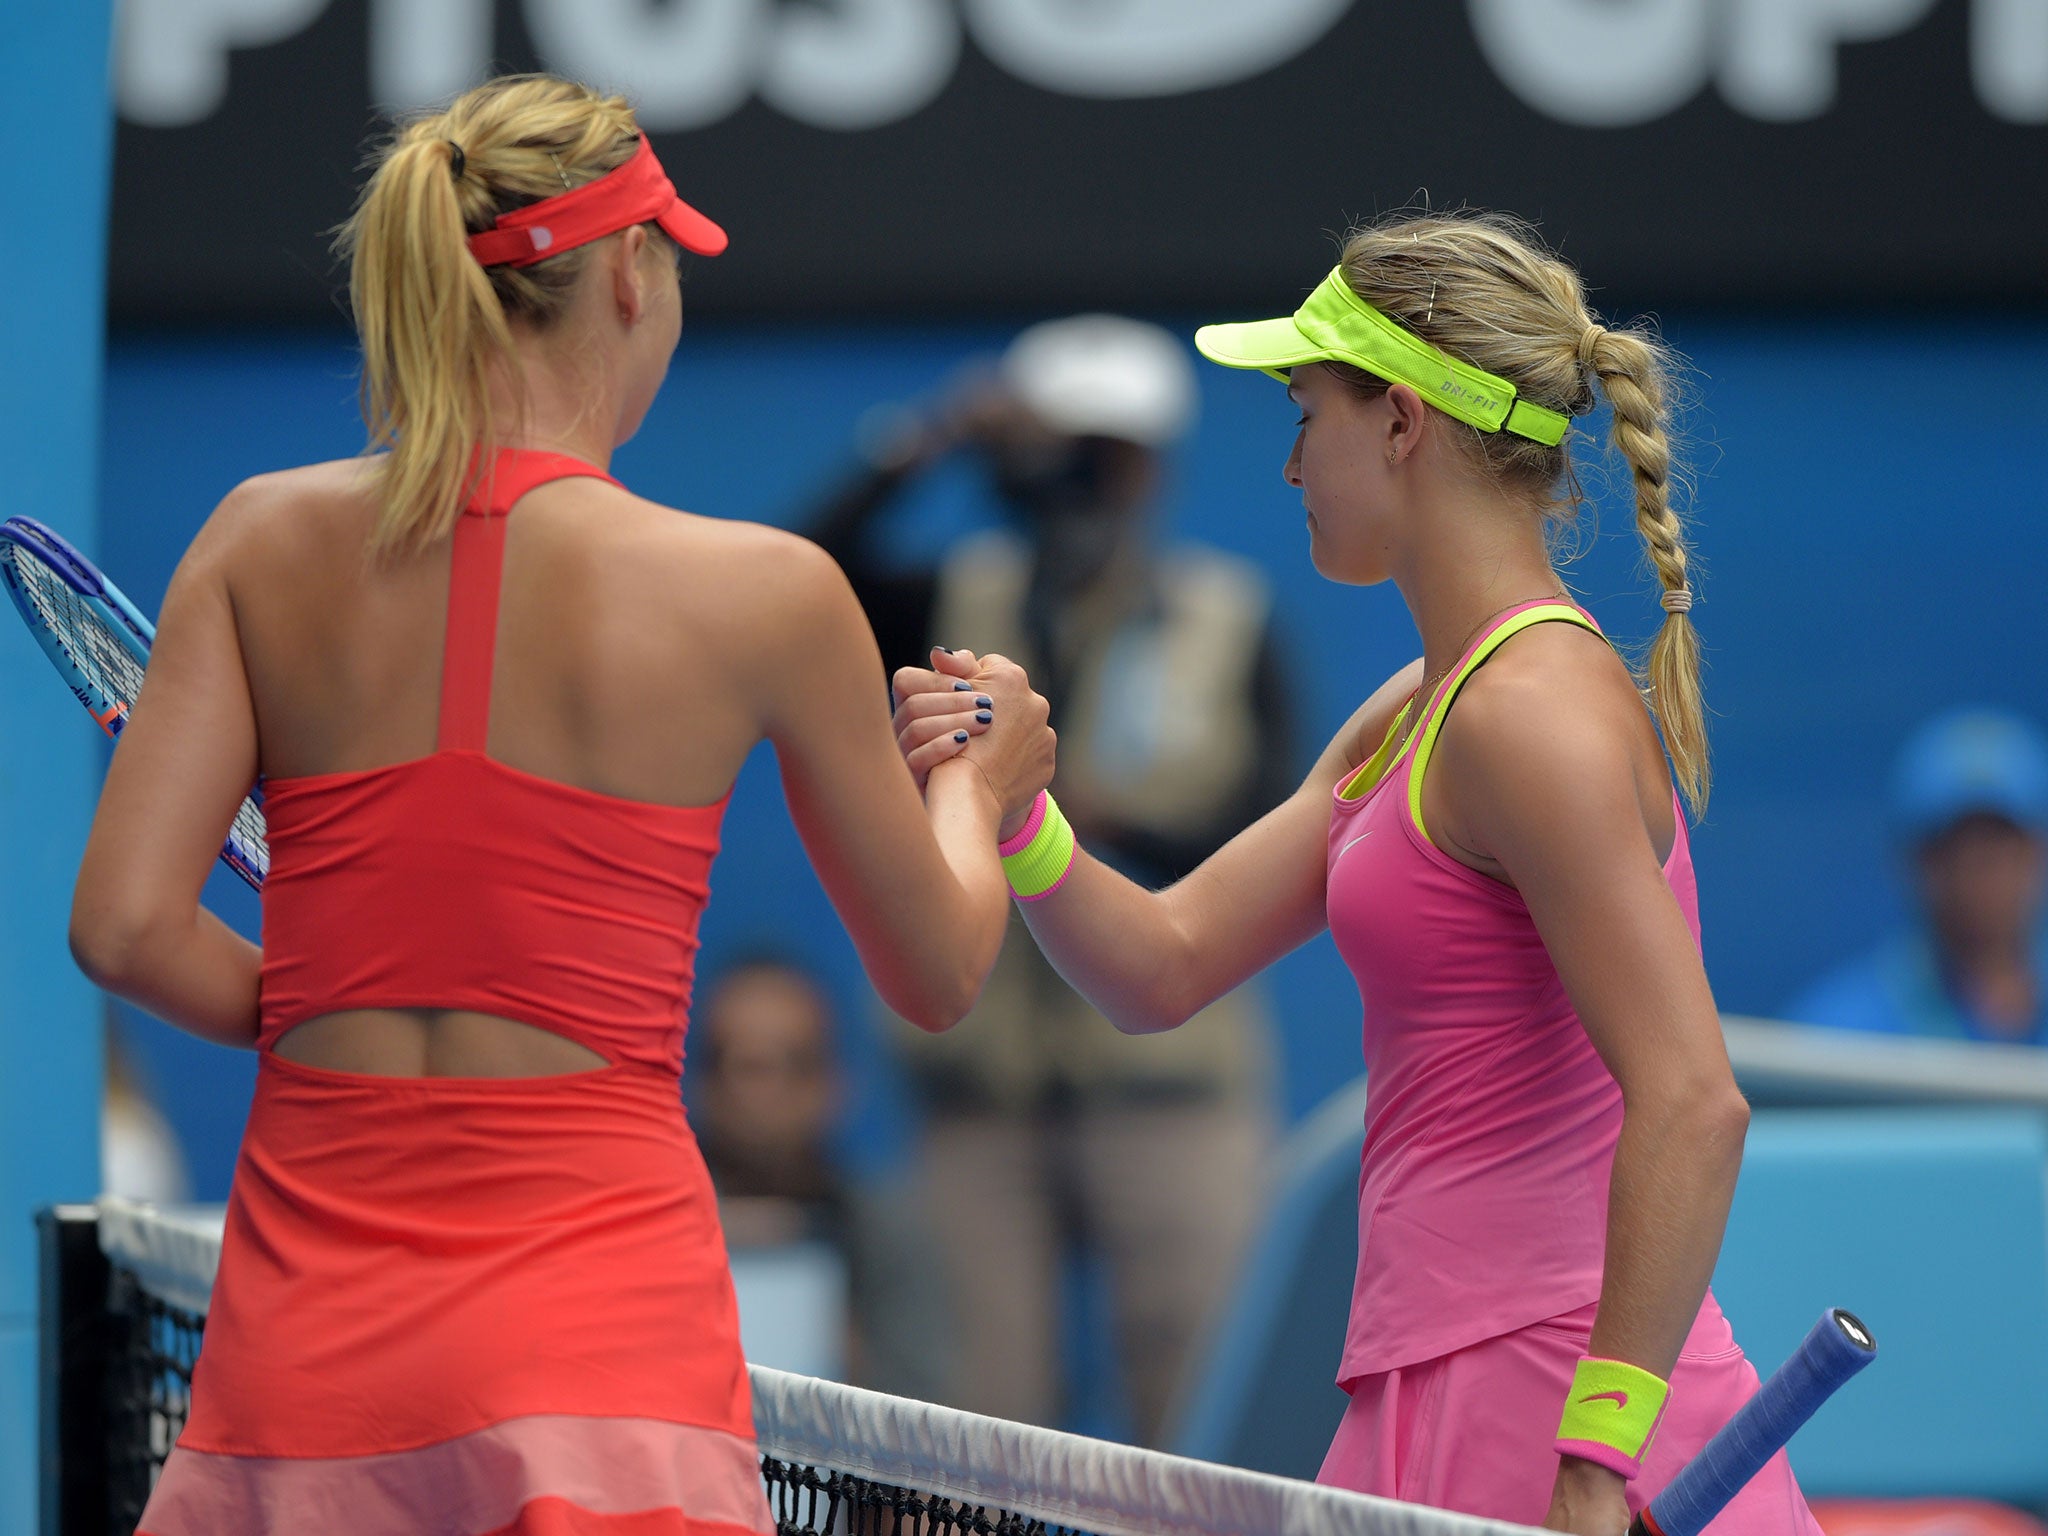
(1393, 456)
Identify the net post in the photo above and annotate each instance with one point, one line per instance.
(71, 1372)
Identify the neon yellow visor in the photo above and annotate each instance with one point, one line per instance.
(1336, 325)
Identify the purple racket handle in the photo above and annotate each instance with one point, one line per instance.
(1837, 1349)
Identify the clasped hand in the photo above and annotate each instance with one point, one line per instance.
(980, 710)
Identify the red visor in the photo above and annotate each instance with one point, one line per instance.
(636, 192)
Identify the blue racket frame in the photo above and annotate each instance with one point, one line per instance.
(107, 609)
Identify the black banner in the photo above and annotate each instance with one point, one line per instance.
(912, 156)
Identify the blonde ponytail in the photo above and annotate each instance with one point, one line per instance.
(433, 334)
(1482, 287)
(436, 327)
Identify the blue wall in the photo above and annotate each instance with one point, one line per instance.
(53, 110)
(1871, 525)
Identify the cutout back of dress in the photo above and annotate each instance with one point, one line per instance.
(454, 881)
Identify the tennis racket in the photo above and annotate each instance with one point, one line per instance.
(1838, 1347)
(99, 643)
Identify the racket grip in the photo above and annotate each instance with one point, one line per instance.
(1838, 1347)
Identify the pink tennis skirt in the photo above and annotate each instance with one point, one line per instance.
(1472, 1431)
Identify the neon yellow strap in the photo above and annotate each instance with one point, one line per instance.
(1036, 869)
(1613, 1407)
(1425, 737)
(1366, 778)
(1336, 325)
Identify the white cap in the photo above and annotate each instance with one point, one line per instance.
(1104, 376)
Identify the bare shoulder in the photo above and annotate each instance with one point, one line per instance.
(1550, 740)
(303, 488)
(1556, 697)
(747, 564)
(733, 585)
(278, 512)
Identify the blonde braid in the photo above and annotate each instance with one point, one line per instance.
(1631, 373)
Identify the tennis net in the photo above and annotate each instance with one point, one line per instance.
(125, 1290)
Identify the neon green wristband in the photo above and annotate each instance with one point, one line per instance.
(1037, 859)
(1612, 1414)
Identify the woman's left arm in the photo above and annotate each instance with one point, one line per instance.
(1553, 795)
(185, 760)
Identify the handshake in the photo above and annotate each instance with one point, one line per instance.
(980, 710)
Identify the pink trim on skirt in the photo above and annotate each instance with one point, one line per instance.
(1475, 1430)
(542, 1473)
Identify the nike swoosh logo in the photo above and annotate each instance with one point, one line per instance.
(1620, 1398)
(1353, 843)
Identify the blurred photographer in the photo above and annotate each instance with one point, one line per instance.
(1048, 1134)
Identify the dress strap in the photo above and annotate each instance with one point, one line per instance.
(1364, 780)
(476, 561)
(1510, 626)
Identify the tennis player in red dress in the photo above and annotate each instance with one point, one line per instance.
(473, 1280)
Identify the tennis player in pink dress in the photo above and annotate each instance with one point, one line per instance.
(472, 1281)
(1495, 841)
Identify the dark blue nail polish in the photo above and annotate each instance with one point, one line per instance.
(959, 735)
(986, 717)
(984, 702)
(946, 648)
(959, 687)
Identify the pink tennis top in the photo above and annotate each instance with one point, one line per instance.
(1490, 1121)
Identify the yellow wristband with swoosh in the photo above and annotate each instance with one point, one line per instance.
(1611, 1415)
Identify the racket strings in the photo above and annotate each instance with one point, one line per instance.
(86, 636)
(104, 657)
(251, 836)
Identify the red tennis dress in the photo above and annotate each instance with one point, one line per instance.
(474, 1306)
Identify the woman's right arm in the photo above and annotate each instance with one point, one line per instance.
(1151, 960)
(918, 883)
